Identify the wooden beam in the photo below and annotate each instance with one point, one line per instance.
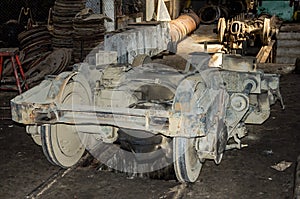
(265, 52)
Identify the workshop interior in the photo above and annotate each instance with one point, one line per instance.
(141, 86)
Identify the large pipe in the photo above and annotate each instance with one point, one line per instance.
(209, 14)
(183, 25)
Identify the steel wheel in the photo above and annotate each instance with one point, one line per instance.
(60, 142)
(186, 162)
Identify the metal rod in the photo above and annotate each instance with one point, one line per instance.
(248, 88)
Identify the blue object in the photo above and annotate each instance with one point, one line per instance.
(281, 9)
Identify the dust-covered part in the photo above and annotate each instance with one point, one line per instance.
(150, 111)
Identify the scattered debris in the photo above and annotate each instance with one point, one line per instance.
(130, 177)
(179, 191)
(282, 166)
(268, 152)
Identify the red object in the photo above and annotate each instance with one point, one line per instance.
(16, 64)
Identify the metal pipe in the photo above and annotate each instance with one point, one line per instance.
(183, 25)
(209, 14)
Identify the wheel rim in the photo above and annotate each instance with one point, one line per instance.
(186, 162)
(61, 143)
(221, 28)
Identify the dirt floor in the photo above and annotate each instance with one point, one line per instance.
(247, 173)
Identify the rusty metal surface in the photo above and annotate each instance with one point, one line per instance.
(183, 25)
(34, 42)
(37, 57)
(209, 14)
(63, 15)
(29, 36)
(88, 33)
(53, 64)
(212, 11)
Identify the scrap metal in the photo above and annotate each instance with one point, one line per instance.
(63, 15)
(35, 43)
(240, 34)
(88, 33)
